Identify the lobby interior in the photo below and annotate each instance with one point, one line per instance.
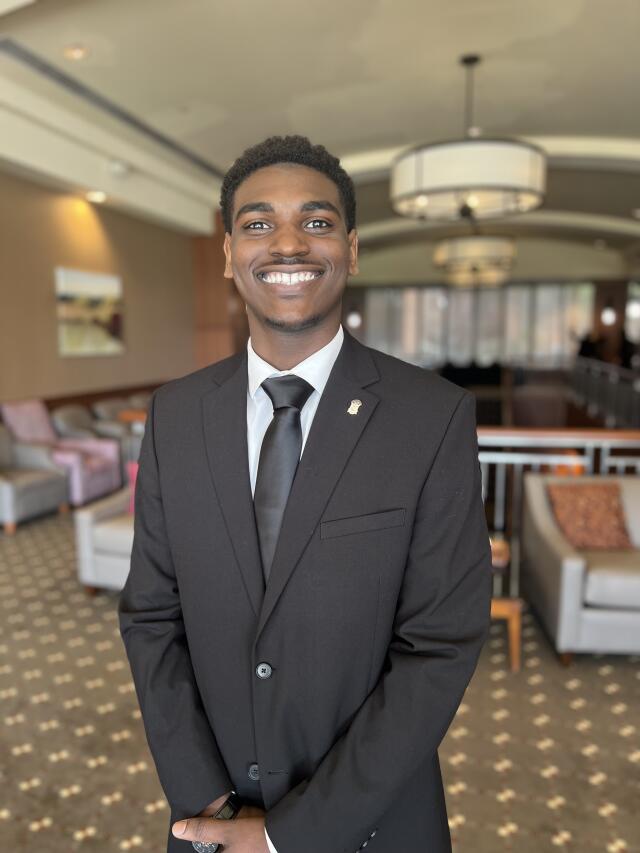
(511, 267)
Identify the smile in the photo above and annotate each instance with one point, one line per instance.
(287, 278)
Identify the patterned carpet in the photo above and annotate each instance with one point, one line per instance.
(548, 759)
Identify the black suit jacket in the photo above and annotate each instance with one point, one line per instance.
(372, 621)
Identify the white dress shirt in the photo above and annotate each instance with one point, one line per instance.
(315, 369)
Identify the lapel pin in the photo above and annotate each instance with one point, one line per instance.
(353, 407)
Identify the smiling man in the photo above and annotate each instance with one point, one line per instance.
(310, 578)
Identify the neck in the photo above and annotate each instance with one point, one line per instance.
(284, 350)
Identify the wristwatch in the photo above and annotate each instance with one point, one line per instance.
(227, 811)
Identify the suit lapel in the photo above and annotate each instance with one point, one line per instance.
(224, 412)
(333, 435)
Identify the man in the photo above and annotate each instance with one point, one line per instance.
(310, 579)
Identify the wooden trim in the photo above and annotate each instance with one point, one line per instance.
(87, 398)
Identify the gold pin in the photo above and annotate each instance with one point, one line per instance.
(354, 406)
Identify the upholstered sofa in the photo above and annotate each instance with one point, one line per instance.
(30, 482)
(92, 464)
(587, 600)
(104, 539)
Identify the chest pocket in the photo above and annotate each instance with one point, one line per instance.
(362, 523)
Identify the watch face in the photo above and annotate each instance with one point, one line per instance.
(226, 812)
(205, 846)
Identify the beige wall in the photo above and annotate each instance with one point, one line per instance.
(41, 229)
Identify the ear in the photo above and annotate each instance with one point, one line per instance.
(228, 272)
(353, 252)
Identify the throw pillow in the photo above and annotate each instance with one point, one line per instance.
(590, 515)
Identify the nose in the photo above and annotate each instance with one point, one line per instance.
(289, 241)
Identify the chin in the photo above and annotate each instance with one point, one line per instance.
(292, 325)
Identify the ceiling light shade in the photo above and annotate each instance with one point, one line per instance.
(476, 260)
(473, 178)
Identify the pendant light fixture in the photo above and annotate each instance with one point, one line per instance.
(476, 260)
(470, 178)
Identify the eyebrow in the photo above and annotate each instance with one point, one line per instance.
(320, 205)
(265, 207)
(255, 207)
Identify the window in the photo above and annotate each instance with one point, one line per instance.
(632, 314)
(538, 324)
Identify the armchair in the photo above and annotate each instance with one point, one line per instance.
(104, 539)
(109, 408)
(588, 600)
(92, 464)
(30, 483)
(75, 421)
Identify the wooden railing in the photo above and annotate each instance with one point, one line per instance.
(507, 453)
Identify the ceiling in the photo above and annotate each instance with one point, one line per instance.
(365, 78)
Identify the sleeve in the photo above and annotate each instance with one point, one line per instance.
(272, 849)
(441, 622)
(189, 765)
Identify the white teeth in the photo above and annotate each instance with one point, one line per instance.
(287, 278)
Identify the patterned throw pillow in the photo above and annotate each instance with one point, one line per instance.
(590, 515)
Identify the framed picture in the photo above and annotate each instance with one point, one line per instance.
(89, 310)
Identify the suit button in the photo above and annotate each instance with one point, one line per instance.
(263, 670)
(254, 772)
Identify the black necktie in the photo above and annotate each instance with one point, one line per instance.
(279, 456)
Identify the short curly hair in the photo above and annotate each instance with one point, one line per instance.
(287, 149)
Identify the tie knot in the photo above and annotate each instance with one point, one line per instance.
(288, 391)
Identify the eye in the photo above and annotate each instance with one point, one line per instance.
(319, 223)
(256, 225)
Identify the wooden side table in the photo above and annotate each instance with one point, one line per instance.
(509, 609)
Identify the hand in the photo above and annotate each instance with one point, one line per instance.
(243, 834)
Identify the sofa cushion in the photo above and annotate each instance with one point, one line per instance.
(613, 579)
(115, 535)
(590, 515)
(25, 479)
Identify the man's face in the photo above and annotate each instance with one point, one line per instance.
(289, 251)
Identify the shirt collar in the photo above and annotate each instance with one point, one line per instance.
(315, 369)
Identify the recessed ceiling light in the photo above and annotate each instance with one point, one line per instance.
(96, 196)
(636, 212)
(76, 52)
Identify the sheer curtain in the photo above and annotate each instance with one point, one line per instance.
(632, 315)
(536, 324)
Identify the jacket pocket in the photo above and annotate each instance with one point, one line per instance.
(362, 523)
